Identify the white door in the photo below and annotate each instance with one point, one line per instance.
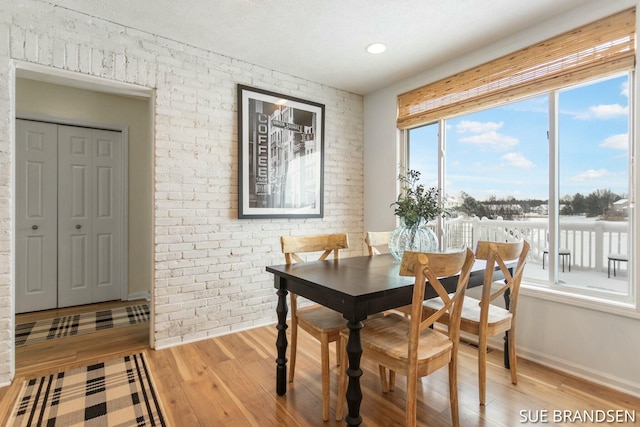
(36, 216)
(82, 178)
(89, 215)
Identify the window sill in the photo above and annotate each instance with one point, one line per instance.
(620, 308)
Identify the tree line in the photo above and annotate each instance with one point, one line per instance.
(598, 203)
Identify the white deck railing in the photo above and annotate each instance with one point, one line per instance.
(589, 242)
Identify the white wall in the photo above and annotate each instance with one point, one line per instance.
(601, 346)
(210, 276)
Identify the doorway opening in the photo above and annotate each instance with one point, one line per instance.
(50, 95)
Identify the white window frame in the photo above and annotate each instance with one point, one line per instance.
(627, 305)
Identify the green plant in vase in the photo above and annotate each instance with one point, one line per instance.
(416, 205)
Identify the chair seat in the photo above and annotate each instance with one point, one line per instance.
(561, 251)
(321, 319)
(618, 257)
(387, 336)
(498, 322)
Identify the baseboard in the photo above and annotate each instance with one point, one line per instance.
(562, 365)
(585, 373)
(568, 367)
(139, 295)
(220, 334)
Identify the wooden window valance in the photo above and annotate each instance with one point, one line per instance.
(601, 48)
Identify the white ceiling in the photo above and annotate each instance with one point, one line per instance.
(324, 40)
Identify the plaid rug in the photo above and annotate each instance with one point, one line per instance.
(119, 392)
(48, 329)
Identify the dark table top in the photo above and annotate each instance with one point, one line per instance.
(359, 286)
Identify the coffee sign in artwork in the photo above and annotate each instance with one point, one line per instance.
(281, 155)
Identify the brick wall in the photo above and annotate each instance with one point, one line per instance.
(209, 266)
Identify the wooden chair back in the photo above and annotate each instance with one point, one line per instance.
(376, 239)
(501, 253)
(428, 268)
(325, 243)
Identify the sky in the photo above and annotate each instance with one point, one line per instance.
(504, 152)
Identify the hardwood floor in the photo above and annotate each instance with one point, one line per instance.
(49, 356)
(230, 380)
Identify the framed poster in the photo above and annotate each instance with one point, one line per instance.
(280, 154)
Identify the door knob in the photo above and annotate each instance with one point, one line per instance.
(78, 226)
(34, 227)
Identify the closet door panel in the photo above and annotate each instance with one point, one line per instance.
(75, 240)
(36, 216)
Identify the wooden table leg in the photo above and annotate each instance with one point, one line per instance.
(354, 393)
(281, 343)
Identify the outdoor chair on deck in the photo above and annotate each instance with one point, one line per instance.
(564, 254)
(322, 323)
(407, 345)
(480, 317)
(613, 259)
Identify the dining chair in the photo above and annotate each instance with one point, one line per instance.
(376, 240)
(320, 322)
(407, 345)
(483, 319)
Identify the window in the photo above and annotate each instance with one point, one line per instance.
(559, 180)
(593, 180)
(423, 154)
(540, 143)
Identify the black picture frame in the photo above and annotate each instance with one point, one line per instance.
(280, 155)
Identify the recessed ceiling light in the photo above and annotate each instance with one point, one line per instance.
(375, 48)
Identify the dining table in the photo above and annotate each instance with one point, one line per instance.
(357, 287)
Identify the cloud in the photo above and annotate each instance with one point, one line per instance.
(517, 160)
(589, 175)
(624, 89)
(486, 134)
(493, 140)
(478, 127)
(603, 111)
(618, 142)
